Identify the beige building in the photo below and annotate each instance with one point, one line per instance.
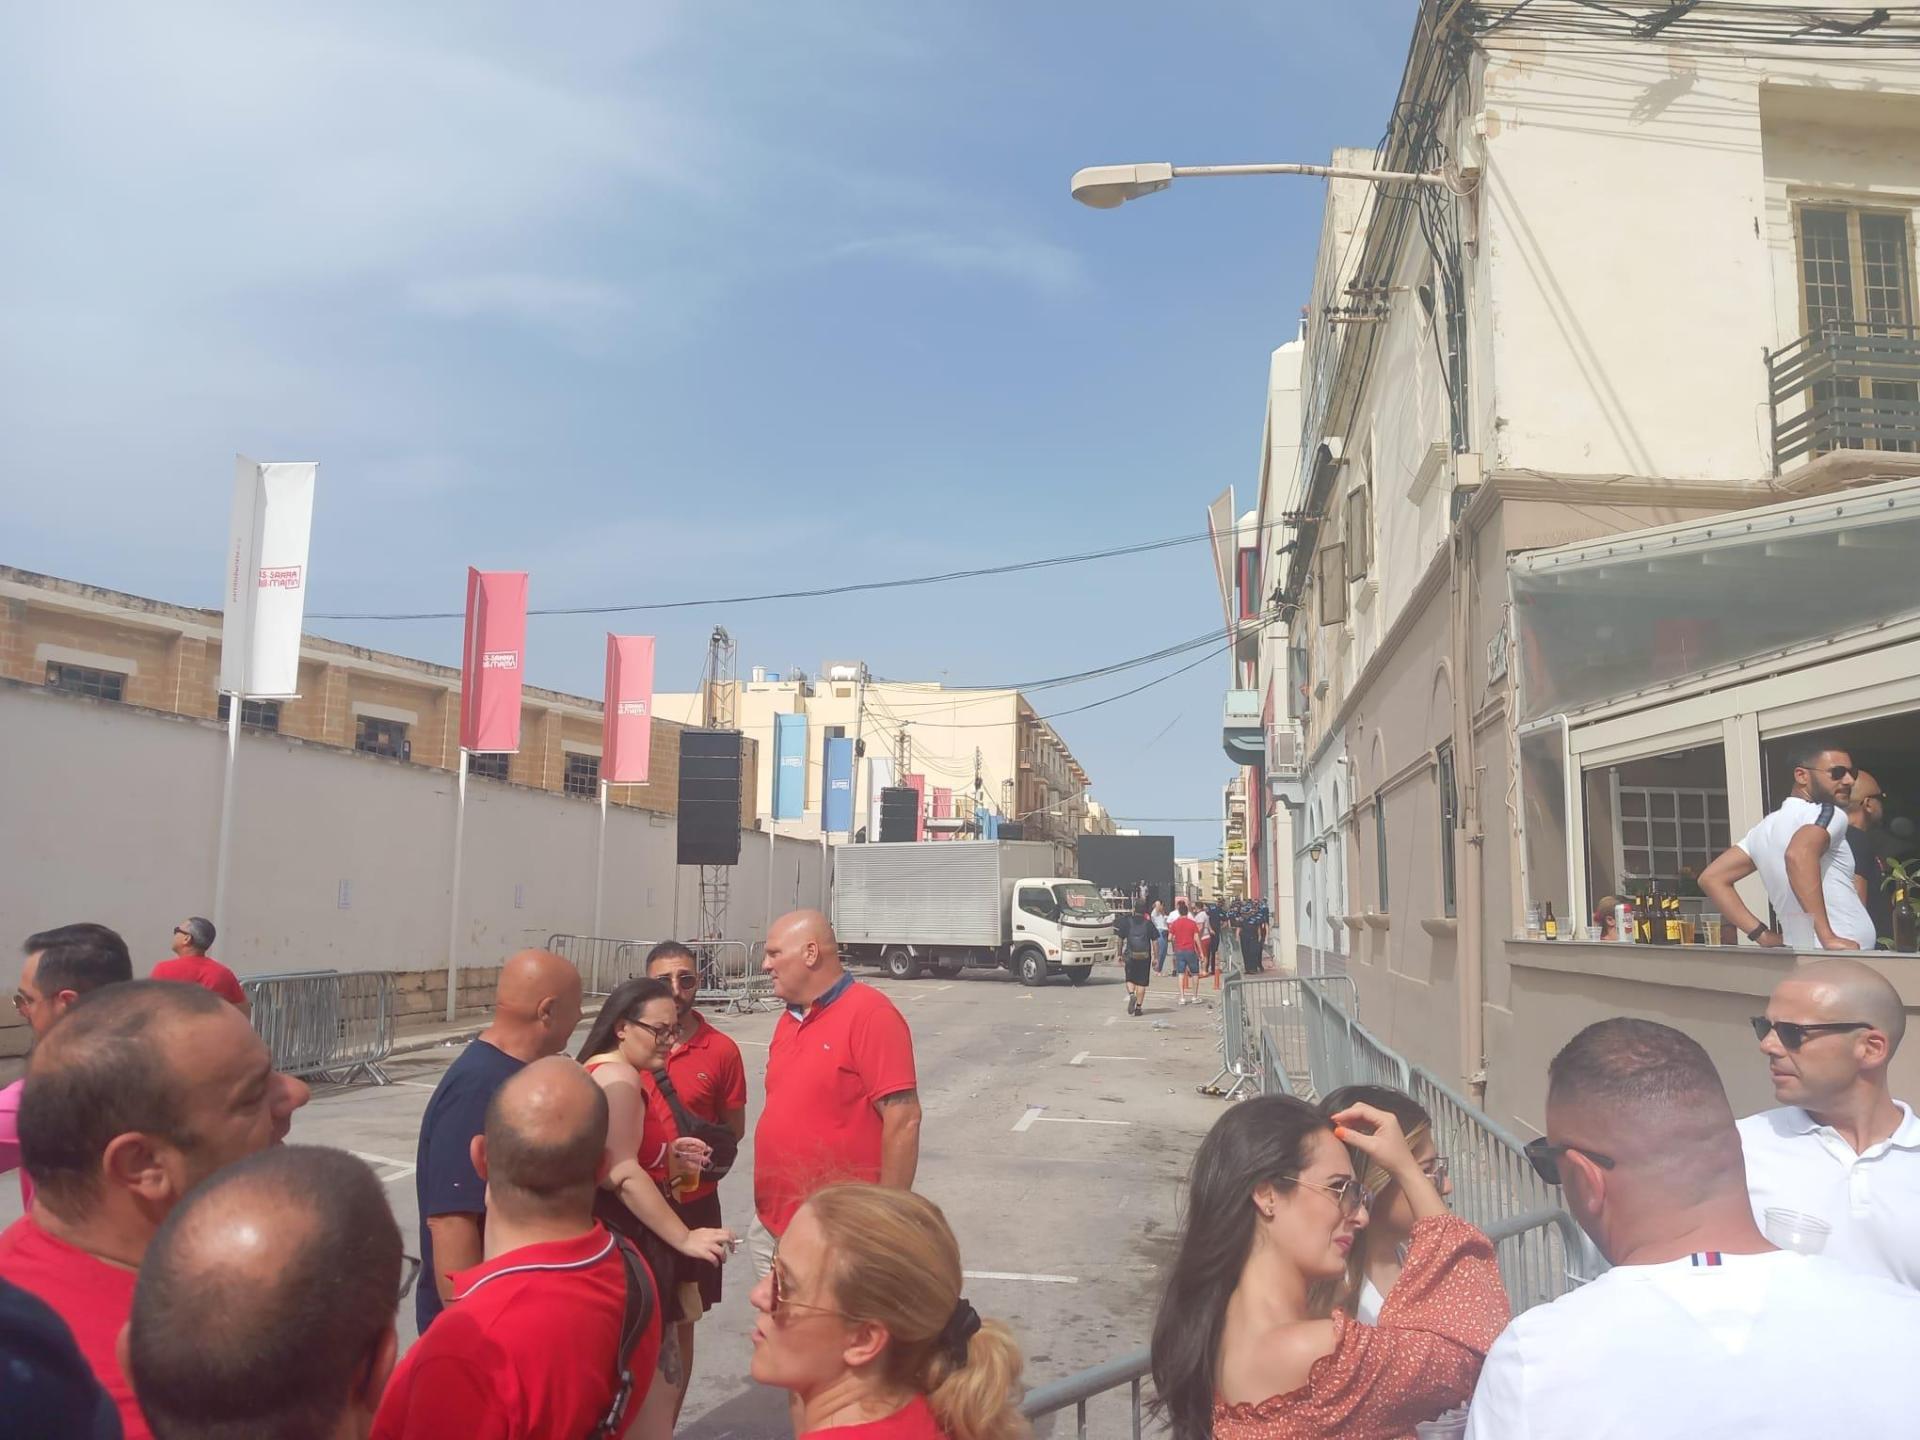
(986, 749)
(1598, 501)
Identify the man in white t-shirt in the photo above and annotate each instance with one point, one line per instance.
(1840, 1148)
(1802, 857)
(1702, 1328)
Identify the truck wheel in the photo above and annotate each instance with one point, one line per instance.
(901, 963)
(1079, 974)
(1032, 967)
(951, 968)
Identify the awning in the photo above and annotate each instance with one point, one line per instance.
(1647, 612)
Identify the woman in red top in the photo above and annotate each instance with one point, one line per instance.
(1240, 1349)
(861, 1319)
(629, 1040)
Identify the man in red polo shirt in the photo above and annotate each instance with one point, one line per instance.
(138, 1095)
(192, 965)
(842, 1101)
(707, 1074)
(529, 1346)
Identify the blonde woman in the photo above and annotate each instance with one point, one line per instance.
(863, 1322)
(1378, 1250)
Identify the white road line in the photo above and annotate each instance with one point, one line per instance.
(943, 987)
(1086, 1055)
(1112, 1018)
(1025, 1122)
(1075, 1120)
(401, 1168)
(415, 1084)
(1078, 1059)
(757, 1044)
(1017, 1275)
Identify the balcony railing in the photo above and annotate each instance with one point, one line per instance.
(1845, 387)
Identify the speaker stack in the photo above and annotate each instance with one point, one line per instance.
(898, 814)
(709, 820)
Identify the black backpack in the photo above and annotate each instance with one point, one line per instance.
(640, 1309)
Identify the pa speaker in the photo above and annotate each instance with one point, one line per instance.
(898, 814)
(1012, 830)
(709, 798)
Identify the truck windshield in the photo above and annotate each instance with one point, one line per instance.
(1082, 901)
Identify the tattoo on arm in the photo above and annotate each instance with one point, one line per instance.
(899, 1097)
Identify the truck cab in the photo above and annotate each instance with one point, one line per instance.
(1059, 925)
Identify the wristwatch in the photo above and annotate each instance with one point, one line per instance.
(1757, 931)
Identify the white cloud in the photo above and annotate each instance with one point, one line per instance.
(1040, 265)
(541, 300)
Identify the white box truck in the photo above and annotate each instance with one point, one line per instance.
(947, 904)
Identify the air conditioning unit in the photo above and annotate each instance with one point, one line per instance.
(1283, 749)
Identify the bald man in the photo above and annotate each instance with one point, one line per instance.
(531, 1345)
(1866, 813)
(1702, 1327)
(1839, 1147)
(842, 1099)
(266, 1303)
(536, 1007)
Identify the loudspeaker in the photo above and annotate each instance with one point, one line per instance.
(898, 812)
(1012, 830)
(709, 799)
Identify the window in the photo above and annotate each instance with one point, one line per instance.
(583, 775)
(1856, 280)
(1299, 680)
(382, 737)
(254, 714)
(1036, 900)
(1449, 822)
(1662, 819)
(488, 764)
(1249, 583)
(1331, 576)
(1360, 530)
(79, 680)
(1380, 846)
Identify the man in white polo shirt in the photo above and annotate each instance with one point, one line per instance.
(1801, 854)
(1702, 1328)
(1840, 1148)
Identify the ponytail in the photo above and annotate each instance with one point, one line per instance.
(974, 1401)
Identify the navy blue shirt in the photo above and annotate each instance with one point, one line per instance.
(444, 1180)
(49, 1389)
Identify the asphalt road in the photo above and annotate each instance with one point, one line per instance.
(1057, 1133)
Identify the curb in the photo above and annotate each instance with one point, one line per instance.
(420, 1043)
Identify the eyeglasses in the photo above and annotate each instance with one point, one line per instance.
(1435, 1169)
(1833, 772)
(24, 1002)
(1544, 1156)
(781, 1300)
(683, 980)
(178, 931)
(663, 1033)
(1793, 1036)
(1352, 1196)
(409, 1272)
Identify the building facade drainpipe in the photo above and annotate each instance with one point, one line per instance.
(1468, 837)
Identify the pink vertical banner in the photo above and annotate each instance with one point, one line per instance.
(626, 741)
(942, 810)
(918, 784)
(493, 660)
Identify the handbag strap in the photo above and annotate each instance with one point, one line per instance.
(633, 1325)
(682, 1116)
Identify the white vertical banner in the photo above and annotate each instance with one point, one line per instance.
(266, 578)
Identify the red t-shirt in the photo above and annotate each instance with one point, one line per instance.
(93, 1297)
(913, 1421)
(710, 1079)
(204, 971)
(524, 1351)
(1185, 931)
(824, 1075)
(658, 1128)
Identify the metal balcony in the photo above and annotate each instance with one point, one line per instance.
(1845, 386)
(1242, 736)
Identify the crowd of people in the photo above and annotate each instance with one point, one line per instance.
(181, 1273)
(1191, 935)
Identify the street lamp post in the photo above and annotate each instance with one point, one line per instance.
(1106, 187)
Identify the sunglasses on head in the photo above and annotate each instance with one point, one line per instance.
(1544, 1156)
(1793, 1036)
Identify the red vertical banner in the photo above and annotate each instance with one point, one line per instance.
(493, 660)
(626, 741)
(942, 810)
(918, 784)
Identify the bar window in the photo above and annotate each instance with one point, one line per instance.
(374, 736)
(254, 714)
(583, 775)
(488, 764)
(84, 680)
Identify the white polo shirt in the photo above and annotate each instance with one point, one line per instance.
(1775, 1344)
(1766, 845)
(1871, 1199)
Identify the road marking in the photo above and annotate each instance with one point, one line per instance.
(1026, 997)
(943, 987)
(1025, 1122)
(380, 1163)
(757, 1044)
(1112, 1018)
(1076, 1120)
(1086, 1055)
(1017, 1275)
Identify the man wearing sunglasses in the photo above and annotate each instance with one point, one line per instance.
(1702, 1327)
(1839, 1147)
(1801, 854)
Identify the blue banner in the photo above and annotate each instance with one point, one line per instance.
(790, 766)
(837, 807)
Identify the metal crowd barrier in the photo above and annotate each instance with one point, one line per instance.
(729, 976)
(1265, 1020)
(1077, 1390)
(325, 1023)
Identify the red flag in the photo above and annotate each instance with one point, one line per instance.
(626, 740)
(918, 784)
(492, 662)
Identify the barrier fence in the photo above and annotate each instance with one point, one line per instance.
(325, 1023)
(729, 976)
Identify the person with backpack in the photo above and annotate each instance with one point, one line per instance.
(1139, 947)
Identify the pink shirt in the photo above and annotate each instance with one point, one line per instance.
(10, 1138)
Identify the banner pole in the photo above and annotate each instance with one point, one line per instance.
(773, 827)
(453, 903)
(600, 861)
(224, 849)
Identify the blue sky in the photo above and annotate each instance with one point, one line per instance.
(657, 301)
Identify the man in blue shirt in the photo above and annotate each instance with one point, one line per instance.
(535, 1011)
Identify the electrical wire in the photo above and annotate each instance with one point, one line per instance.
(981, 572)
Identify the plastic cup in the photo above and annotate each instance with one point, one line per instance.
(1450, 1426)
(1803, 1234)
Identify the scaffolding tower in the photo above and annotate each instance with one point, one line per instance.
(718, 711)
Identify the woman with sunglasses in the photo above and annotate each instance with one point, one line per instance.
(862, 1321)
(1379, 1250)
(627, 1044)
(1241, 1349)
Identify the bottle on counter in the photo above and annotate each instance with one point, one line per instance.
(1549, 926)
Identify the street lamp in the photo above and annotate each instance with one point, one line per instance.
(1106, 187)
